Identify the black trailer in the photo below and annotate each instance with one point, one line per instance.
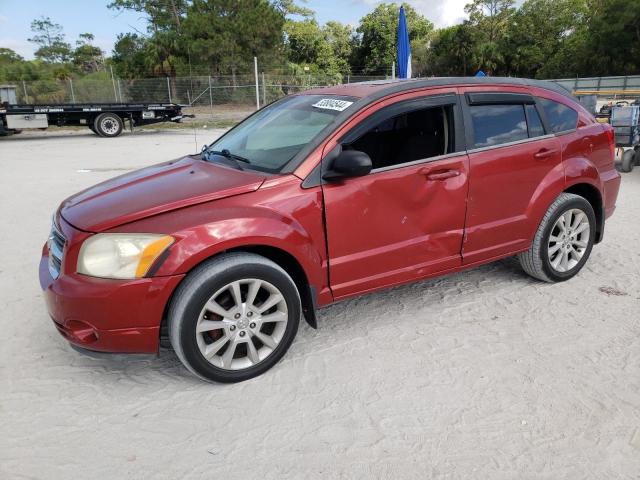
(105, 119)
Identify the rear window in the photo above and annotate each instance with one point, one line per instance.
(560, 117)
(496, 124)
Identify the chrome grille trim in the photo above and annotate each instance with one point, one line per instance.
(55, 243)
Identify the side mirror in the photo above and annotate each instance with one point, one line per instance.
(349, 163)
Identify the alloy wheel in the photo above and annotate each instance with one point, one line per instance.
(569, 240)
(242, 324)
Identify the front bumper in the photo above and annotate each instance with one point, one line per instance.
(118, 316)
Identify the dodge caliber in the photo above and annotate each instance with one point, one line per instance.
(322, 196)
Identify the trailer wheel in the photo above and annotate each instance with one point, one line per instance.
(628, 161)
(108, 125)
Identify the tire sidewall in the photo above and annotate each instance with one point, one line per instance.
(207, 284)
(628, 161)
(575, 203)
(98, 128)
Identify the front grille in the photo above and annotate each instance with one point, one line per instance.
(56, 248)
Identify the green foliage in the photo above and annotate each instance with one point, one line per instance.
(377, 36)
(50, 40)
(326, 49)
(86, 56)
(539, 38)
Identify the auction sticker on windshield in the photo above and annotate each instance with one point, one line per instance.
(332, 104)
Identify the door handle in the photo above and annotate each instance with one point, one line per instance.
(544, 153)
(442, 174)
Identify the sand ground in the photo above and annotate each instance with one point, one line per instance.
(485, 374)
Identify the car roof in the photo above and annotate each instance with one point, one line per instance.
(382, 88)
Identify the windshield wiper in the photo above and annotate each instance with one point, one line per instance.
(228, 155)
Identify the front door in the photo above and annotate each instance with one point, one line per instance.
(404, 220)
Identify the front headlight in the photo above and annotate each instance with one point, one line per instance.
(121, 255)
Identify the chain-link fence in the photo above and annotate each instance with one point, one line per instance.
(196, 91)
(221, 98)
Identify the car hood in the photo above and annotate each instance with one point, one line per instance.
(153, 190)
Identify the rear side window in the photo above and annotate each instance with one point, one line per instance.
(496, 124)
(560, 117)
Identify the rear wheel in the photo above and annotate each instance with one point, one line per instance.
(234, 317)
(563, 242)
(108, 125)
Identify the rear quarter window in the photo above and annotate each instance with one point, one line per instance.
(560, 117)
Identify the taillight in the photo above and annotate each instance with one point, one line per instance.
(612, 141)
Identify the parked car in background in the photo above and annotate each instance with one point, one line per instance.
(323, 196)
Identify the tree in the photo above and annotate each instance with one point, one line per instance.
(50, 40)
(289, 7)
(341, 39)
(324, 49)
(129, 56)
(164, 19)
(377, 36)
(225, 35)
(9, 56)
(451, 51)
(489, 21)
(86, 56)
(611, 39)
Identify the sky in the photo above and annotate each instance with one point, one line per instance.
(79, 16)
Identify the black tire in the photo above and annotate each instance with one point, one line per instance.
(92, 128)
(628, 161)
(196, 290)
(108, 125)
(535, 261)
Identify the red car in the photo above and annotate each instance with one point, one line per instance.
(322, 196)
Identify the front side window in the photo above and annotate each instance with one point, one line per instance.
(267, 140)
(407, 137)
(497, 124)
(560, 117)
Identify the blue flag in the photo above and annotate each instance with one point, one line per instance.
(403, 47)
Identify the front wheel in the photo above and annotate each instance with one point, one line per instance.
(234, 317)
(563, 242)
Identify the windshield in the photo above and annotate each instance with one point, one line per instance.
(267, 140)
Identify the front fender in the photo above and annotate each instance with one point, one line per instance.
(205, 241)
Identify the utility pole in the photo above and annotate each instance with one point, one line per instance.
(264, 91)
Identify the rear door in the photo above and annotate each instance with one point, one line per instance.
(510, 155)
(404, 220)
